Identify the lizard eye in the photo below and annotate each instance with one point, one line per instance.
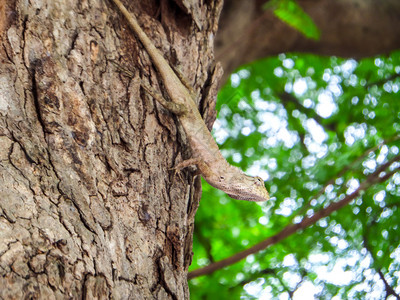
(259, 181)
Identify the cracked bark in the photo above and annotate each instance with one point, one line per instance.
(88, 206)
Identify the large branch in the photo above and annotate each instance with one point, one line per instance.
(373, 178)
(349, 28)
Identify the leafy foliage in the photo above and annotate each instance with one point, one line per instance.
(316, 129)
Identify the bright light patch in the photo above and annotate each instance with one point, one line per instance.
(237, 157)
(255, 289)
(353, 79)
(380, 196)
(319, 258)
(276, 129)
(239, 277)
(337, 275)
(289, 261)
(246, 131)
(370, 164)
(395, 88)
(235, 80)
(235, 231)
(334, 86)
(244, 73)
(326, 76)
(265, 105)
(292, 279)
(315, 138)
(288, 63)
(348, 67)
(317, 132)
(352, 185)
(287, 207)
(255, 95)
(354, 133)
(300, 86)
(342, 244)
(378, 62)
(382, 154)
(307, 290)
(263, 220)
(220, 134)
(243, 105)
(288, 87)
(326, 105)
(278, 72)
(256, 170)
(307, 103)
(272, 164)
(308, 161)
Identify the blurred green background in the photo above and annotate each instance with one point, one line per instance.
(315, 128)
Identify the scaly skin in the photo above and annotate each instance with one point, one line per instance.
(206, 155)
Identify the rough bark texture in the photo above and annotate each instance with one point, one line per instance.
(89, 207)
(349, 28)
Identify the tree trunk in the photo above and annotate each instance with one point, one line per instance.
(89, 207)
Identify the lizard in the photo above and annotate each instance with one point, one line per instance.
(205, 152)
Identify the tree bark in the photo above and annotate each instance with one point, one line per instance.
(89, 207)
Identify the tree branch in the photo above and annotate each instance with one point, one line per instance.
(373, 178)
(388, 289)
(346, 168)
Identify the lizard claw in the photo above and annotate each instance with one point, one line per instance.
(184, 164)
(177, 173)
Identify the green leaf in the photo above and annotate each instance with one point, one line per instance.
(292, 14)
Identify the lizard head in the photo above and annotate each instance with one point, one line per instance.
(238, 185)
(248, 188)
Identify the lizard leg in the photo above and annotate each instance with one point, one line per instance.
(202, 167)
(178, 109)
(124, 70)
(184, 164)
(183, 79)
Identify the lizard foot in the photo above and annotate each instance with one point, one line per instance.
(184, 164)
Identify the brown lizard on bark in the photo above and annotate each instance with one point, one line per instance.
(205, 153)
